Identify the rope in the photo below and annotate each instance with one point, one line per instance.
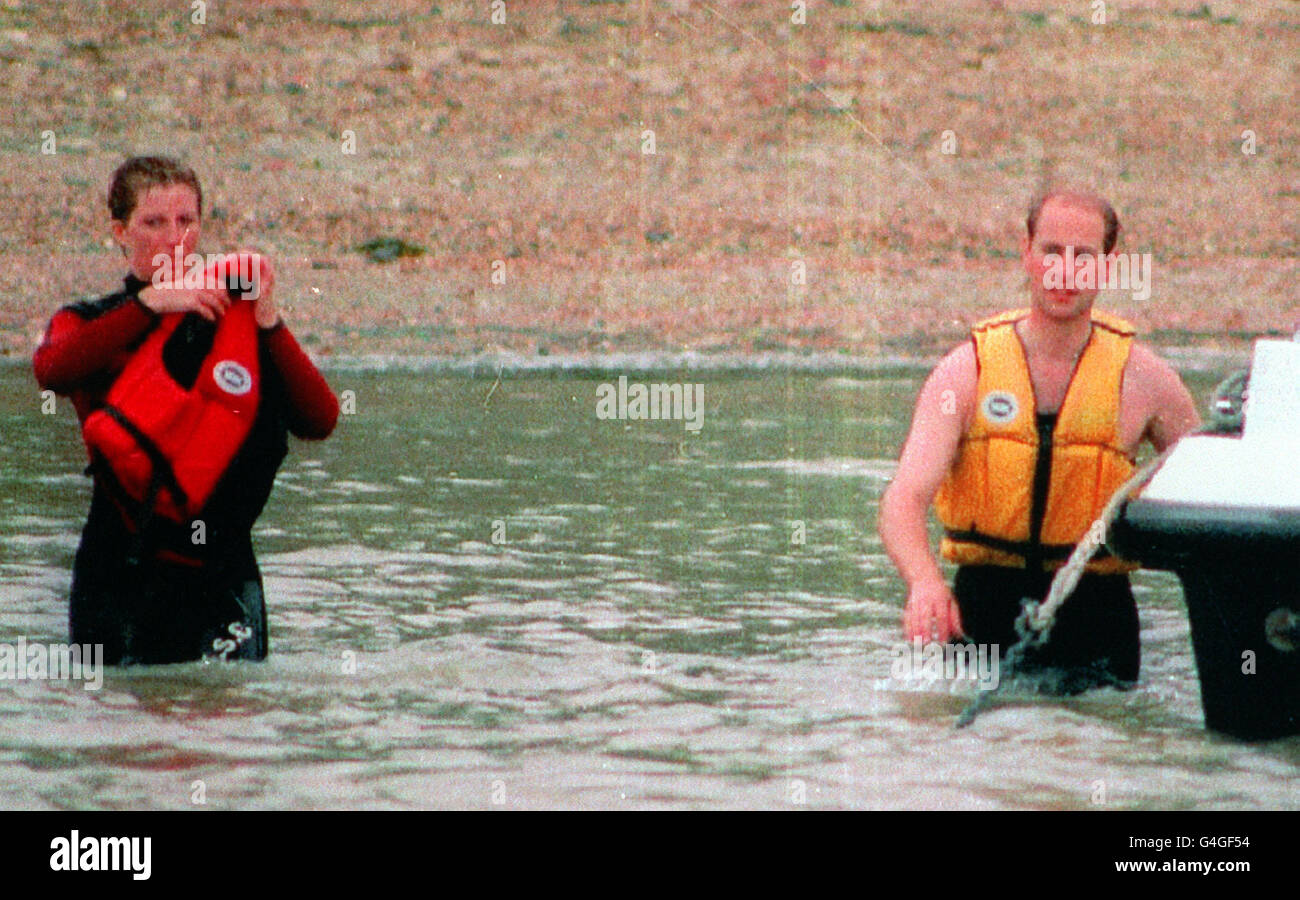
(1035, 623)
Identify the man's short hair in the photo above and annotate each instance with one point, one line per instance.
(1104, 209)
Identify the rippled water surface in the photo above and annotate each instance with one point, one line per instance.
(519, 605)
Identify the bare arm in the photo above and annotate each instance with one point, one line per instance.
(1168, 411)
(943, 410)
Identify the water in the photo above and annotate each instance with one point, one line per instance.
(522, 606)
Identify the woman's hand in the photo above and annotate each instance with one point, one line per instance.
(167, 297)
(212, 303)
(264, 310)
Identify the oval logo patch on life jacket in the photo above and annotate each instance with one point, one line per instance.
(232, 377)
(1000, 407)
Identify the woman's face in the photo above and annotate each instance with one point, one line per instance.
(164, 216)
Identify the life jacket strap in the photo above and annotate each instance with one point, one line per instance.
(1046, 552)
(161, 477)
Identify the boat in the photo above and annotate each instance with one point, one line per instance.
(1222, 512)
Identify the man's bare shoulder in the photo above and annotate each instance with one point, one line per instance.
(1157, 403)
(950, 387)
(1148, 371)
(958, 368)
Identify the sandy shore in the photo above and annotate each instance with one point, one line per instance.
(800, 197)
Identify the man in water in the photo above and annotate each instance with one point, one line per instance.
(1019, 437)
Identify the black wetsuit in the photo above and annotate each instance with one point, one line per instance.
(1095, 633)
(148, 610)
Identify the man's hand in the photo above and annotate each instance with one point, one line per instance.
(931, 613)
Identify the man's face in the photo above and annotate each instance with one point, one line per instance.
(1065, 225)
(164, 216)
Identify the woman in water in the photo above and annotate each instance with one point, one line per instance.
(185, 384)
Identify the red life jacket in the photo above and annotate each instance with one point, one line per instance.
(163, 445)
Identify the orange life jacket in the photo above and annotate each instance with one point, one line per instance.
(1022, 493)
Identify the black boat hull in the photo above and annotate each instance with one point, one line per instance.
(1238, 568)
